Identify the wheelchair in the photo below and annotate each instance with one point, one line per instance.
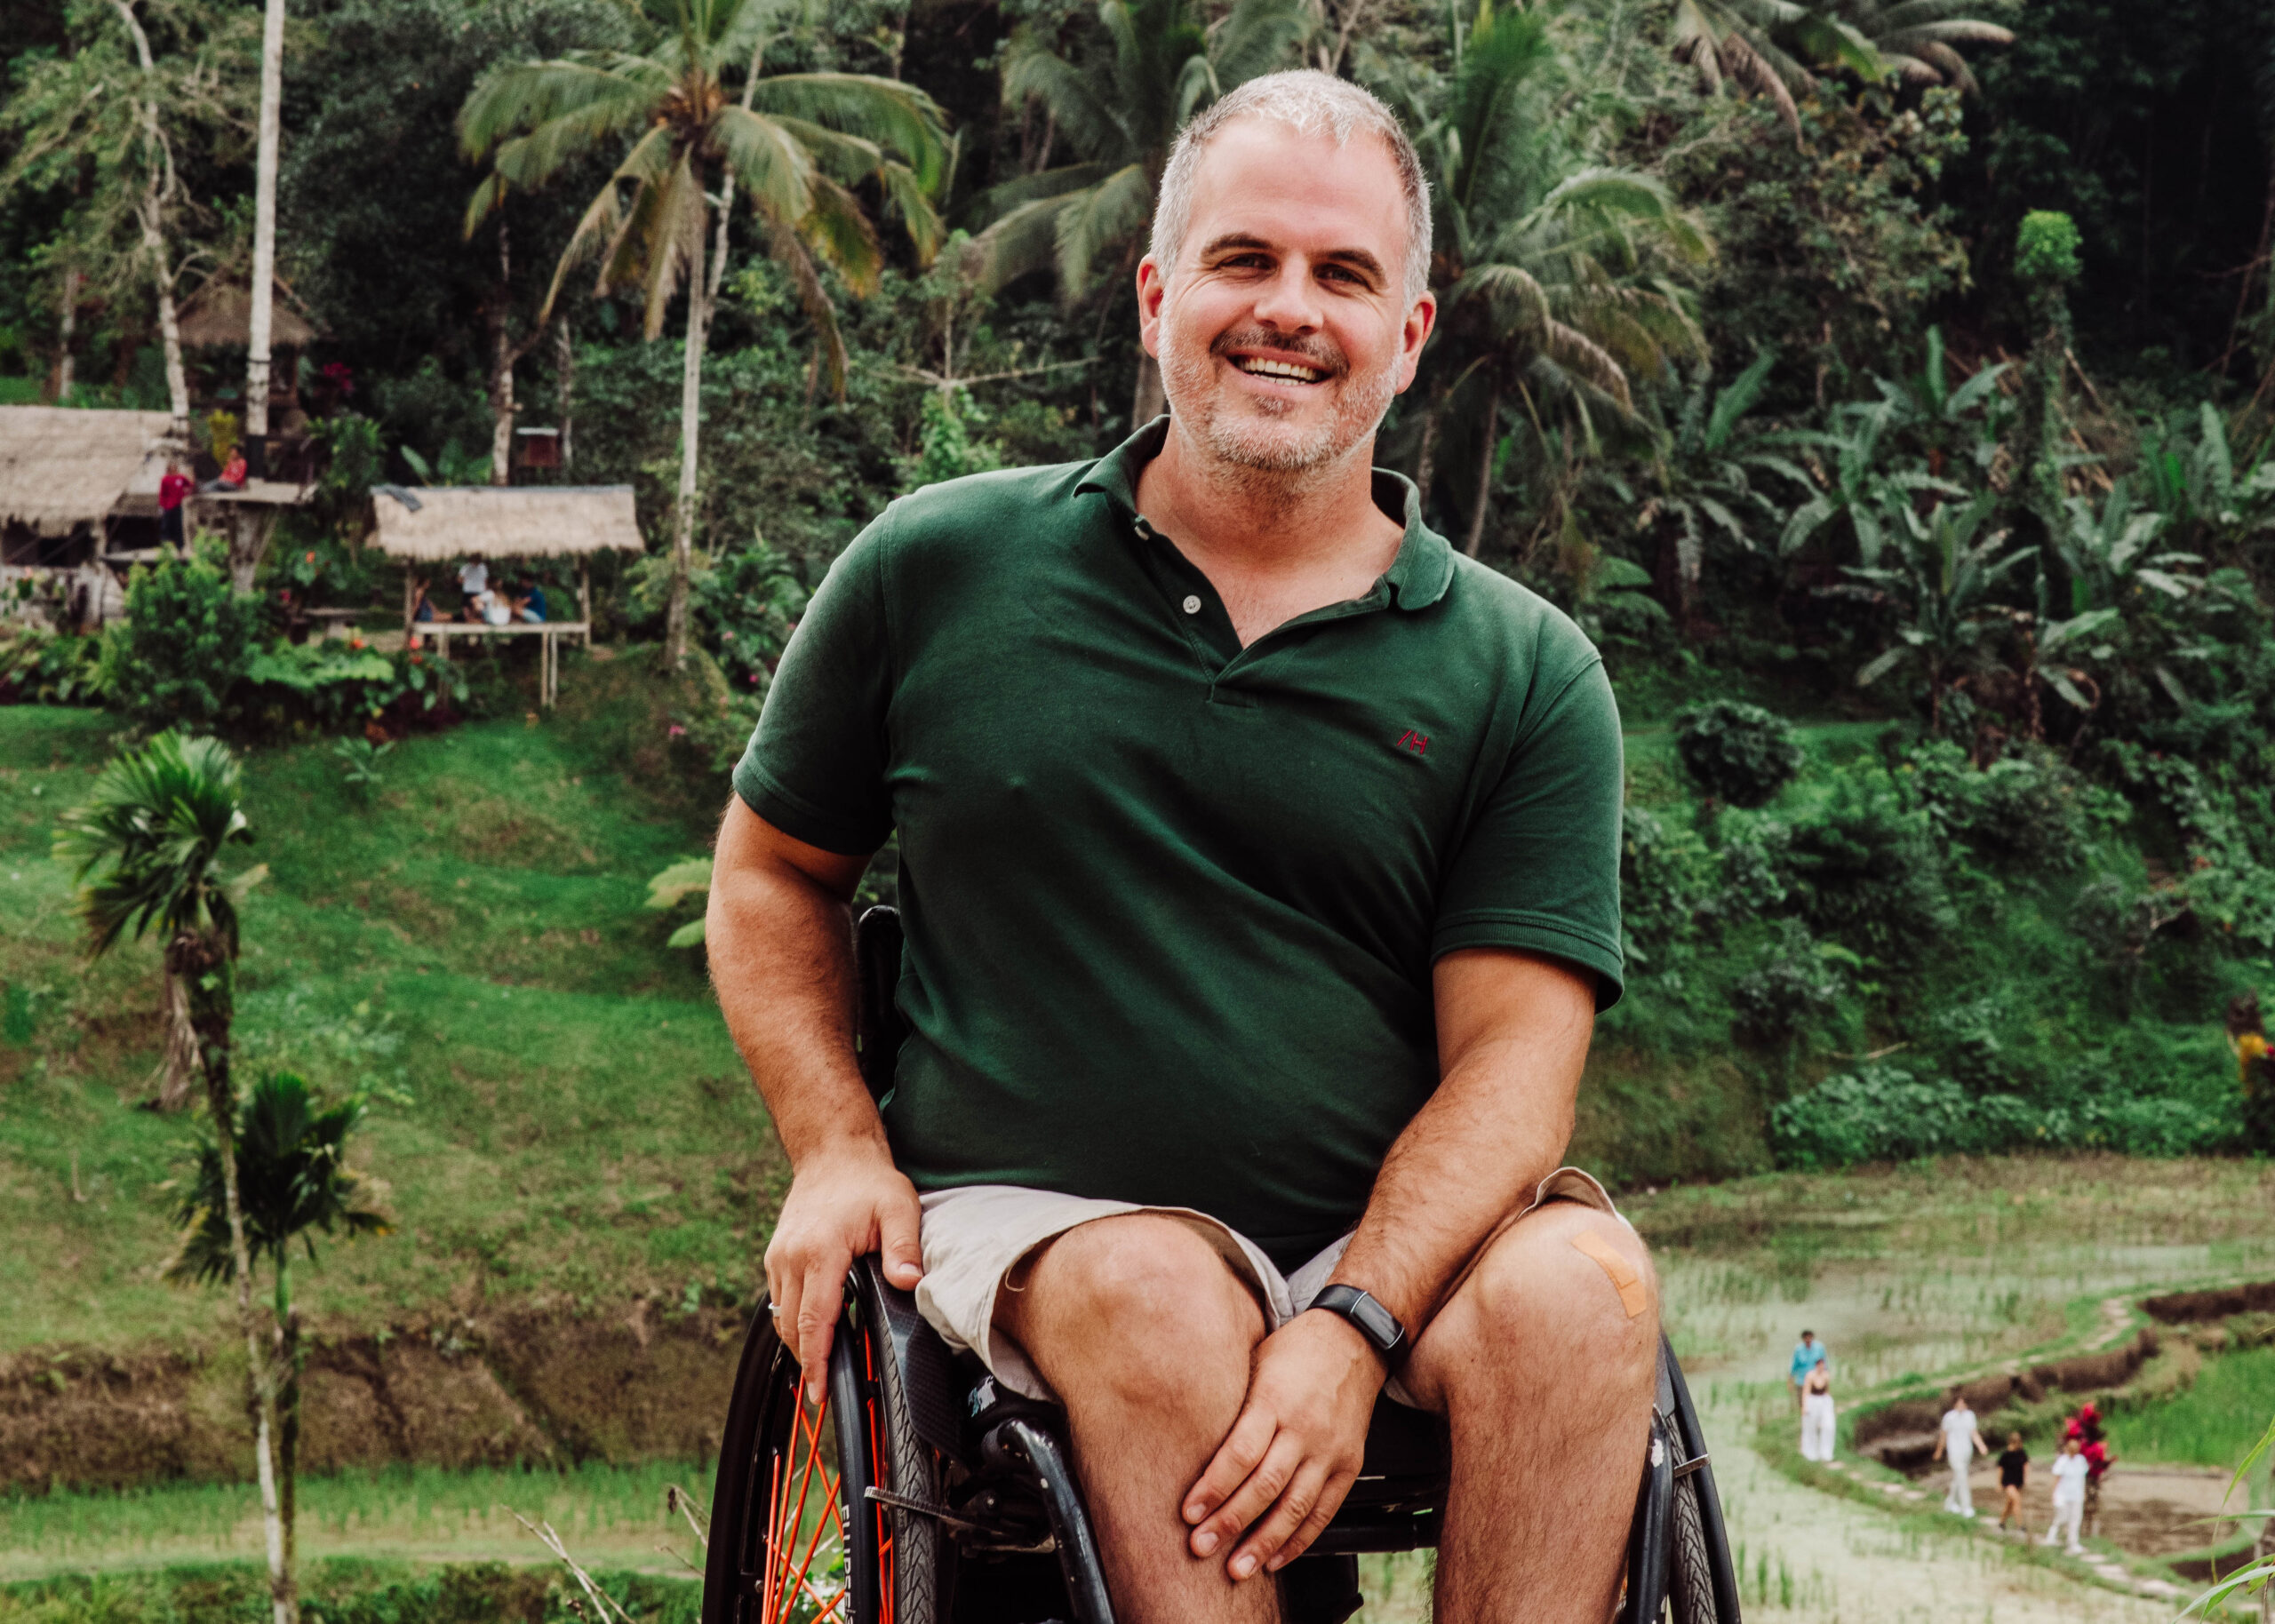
(917, 1492)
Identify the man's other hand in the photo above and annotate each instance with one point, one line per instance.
(1283, 1469)
(841, 1205)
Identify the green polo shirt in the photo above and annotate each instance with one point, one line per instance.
(1171, 904)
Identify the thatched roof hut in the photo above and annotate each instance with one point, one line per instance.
(434, 523)
(60, 467)
(220, 313)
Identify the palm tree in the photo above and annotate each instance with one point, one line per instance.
(1167, 64)
(292, 1178)
(1914, 38)
(795, 143)
(1554, 268)
(1767, 45)
(147, 848)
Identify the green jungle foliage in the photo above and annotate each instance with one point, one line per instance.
(1895, 411)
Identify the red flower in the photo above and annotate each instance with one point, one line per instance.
(674, 731)
(312, 557)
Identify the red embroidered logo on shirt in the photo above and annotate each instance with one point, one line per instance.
(1413, 743)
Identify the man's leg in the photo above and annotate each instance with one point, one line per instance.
(1144, 1331)
(1543, 1363)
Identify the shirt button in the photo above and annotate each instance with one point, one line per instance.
(1191, 604)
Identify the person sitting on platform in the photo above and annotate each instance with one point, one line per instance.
(233, 474)
(530, 604)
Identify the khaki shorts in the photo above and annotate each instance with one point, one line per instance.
(976, 1236)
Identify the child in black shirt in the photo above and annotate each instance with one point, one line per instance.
(2014, 1475)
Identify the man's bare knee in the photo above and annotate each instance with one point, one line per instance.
(1567, 1283)
(1149, 1300)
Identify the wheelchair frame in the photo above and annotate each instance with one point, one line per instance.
(951, 1500)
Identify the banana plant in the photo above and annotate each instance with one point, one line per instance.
(2105, 552)
(1706, 468)
(1859, 485)
(1946, 577)
(1926, 405)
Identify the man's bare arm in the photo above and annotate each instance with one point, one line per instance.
(1512, 1036)
(780, 935)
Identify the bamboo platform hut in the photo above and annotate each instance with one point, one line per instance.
(77, 488)
(438, 525)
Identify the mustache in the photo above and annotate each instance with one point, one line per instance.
(1314, 351)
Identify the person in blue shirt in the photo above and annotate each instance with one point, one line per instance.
(1807, 1355)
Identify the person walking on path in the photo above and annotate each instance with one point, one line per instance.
(1817, 1414)
(2092, 1448)
(2069, 1493)
(1960, 1442)
(1808, 1354)
(2014, 1477)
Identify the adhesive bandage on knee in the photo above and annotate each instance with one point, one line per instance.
(1634, 1296)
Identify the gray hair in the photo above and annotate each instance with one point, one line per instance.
(1310, 103)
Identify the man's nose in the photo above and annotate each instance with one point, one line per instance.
(1289, 301)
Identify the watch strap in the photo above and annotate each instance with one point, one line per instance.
(1373, 1321)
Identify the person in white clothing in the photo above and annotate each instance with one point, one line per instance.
(2069, 1494)
(1959, 1442)
(474, 584)
(1817, 1415)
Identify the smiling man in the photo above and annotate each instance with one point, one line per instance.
(1259, 866)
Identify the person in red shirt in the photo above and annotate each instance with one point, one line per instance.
(173, 490)
(233, 474)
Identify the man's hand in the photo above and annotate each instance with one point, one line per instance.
(841, 1205)
(1283, 1469)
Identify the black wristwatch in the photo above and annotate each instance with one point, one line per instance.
(1375, 1321)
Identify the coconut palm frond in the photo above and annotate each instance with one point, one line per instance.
(771, 164)
(145, 845)
(293, 1181)
(1097, 217)
(884, 112)
(837, 229)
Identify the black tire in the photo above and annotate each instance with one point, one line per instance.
(867, 1441)
(900, 1463)
(1690, 1576)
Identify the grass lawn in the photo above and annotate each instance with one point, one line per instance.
(573, 1125)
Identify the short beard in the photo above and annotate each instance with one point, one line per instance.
(1242, 444)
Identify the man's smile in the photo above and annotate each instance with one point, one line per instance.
(1280, 368)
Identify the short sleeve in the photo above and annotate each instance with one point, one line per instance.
(815, 767)
(1539, 868)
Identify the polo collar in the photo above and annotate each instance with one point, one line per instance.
(1418, 578)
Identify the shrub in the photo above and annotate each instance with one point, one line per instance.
(2029, 811)
(185, 643)
(1666, 878)
(1738, 754)
(2046, 247)
(40, 667)
(1798, 988)
(1865, 871)
(334, 685)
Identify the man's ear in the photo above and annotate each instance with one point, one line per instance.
(1419, 321)
(1152, 289)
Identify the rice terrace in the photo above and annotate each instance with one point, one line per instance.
(1312, 619)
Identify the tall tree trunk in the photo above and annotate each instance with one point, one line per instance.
(150, 213)
(70, 332)
(264, 221)
(1490, 438)
(690, 419)
(179, 1062)
(290, 1356)
(566, 380)
(205, 966)
(1148, 400)
(500, 317)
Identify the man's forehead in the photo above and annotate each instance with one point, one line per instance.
(1266, 179)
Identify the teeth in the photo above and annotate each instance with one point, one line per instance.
(1257, 366)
